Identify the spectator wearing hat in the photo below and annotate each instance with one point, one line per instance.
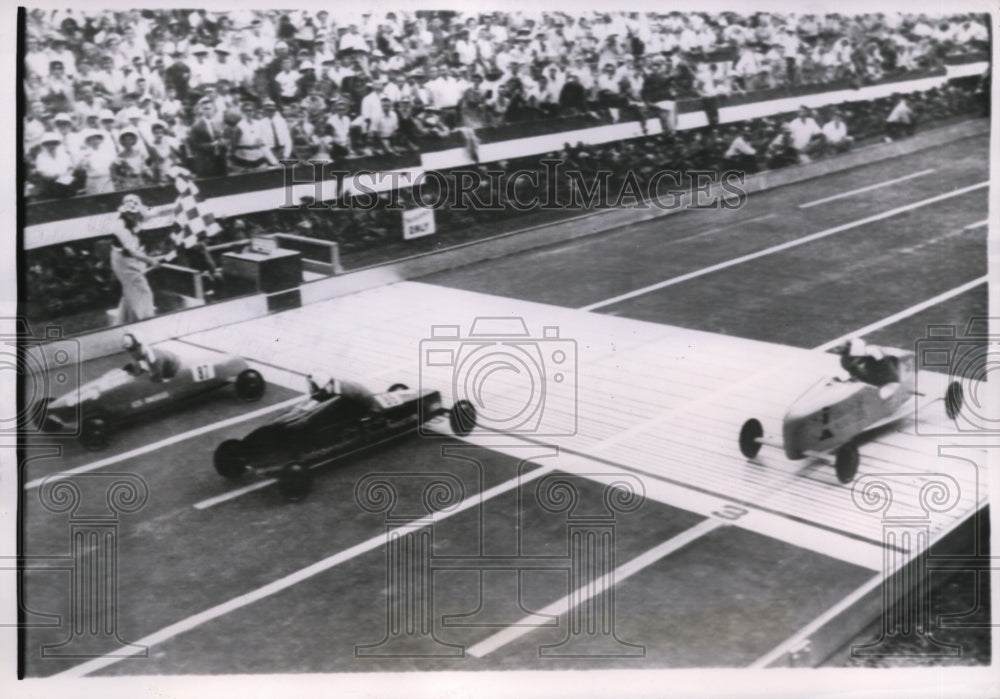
(206, 144)
(248, 150)
(129, 169)
(203, 70)
(383, 128)
(284, 87)
(87, 103)
(274, 130)
(58, 90)
(164, 152)
(177, 76)
(337, 130)
(96, 160)
(225, 67)
(109, 80)
(55, 175)
(130, 261)
(71, 139)
(805, 134)
(307, 79)
(305, 141)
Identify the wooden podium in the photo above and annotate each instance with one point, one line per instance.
(279, 270)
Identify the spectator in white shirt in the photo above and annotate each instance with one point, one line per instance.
(835, 134)
(339, 131)
(202, 70)
(804, 133)
(741, 155)
(384, 127)
(54, 172)
(900, 121)
(95, 161)
(274, 130)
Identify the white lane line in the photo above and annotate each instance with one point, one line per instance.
(905, 313)
(594, 587)
(781, 247)
(869, 188)
(795, 641)
(139, 451)
(977, 224)
(375, 542)
(233, 494)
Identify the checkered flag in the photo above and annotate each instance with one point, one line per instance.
(191, 213)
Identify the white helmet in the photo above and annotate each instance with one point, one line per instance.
(319, 380)
(857, 347)
(131, 341)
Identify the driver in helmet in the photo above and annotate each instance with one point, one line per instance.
(323, 388)
(868, 363)
(160, 364)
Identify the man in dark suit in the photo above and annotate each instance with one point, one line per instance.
(206, 143)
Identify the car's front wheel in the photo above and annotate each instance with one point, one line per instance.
(230, 459)
(462, 418)
(846, 462)
(250, 385)
(95, 433)
(295, 482)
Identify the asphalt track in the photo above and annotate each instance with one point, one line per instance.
(724, 599)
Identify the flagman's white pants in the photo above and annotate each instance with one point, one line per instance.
(137, 297)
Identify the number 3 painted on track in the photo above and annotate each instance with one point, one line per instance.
(730, 512)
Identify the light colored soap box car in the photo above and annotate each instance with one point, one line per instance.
(831, 415)
(122, 396)
(319, 431)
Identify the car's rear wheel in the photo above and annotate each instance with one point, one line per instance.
(250, 385)
(846, 462)
(954, 398)
(295, 482)
(95, 432)
(750, 436)
(398, 387)
(231, 459)
(462, 417)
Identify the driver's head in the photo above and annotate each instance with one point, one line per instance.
(321, 383)
(132, 344)
(857, 347)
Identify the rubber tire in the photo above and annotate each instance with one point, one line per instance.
(954, 399)
(846, 462)
(295, 482)
(398, 387)
(751, 431)
(462, 417)
(250, 385)
(95, 433)
(230, 459)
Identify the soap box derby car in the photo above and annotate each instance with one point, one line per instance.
(831, 415)
(329, 425)
(177, 373)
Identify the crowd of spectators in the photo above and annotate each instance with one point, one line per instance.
(67, 278)
(115, 99)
